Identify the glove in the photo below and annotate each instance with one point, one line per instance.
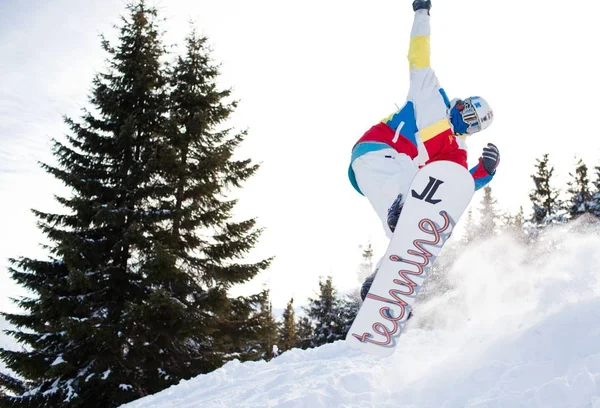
(490, 158)
(422, 5)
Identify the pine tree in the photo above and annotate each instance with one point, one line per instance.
(350, 306)
(289, 332)
(366, 266)
(595, 201)
(515, 224)
(198, 170)
(236, 331)
(78, 341)
(518, 221)
(471, 227)
(544, 197)
(326, 312)
(488, 221)
(267, 329)
(306, 333)
(580, 195)
(133, 298)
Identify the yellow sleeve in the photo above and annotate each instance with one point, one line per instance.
(419, 52)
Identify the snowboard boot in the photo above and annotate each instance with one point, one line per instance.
(394, 212)
(364, 290)
(367, 285)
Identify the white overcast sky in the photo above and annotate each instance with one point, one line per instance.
(311, 77)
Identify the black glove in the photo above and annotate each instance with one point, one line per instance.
(490, 158)
(422, 4)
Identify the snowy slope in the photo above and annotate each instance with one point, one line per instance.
(522, 331)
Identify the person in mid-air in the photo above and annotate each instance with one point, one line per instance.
(429, 127)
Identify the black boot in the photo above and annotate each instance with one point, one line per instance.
(364, 290)
(394, 212)
(367, 285)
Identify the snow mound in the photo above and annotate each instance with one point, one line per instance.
(520, 330)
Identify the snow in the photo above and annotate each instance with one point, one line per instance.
(58, 360)
(521, 331)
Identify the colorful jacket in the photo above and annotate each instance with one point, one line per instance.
(421, 128)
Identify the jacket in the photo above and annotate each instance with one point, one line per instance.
(421, 128)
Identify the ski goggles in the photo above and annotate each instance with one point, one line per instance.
(469, 115)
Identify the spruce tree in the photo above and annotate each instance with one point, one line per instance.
(306, 333)
(366, 266)
(515, 225)
(470, 229)
(516, 221)
(198, 170)
(489, 216)
(595, 201)
(350, 306)
(267, 328)
(133, 298)
(519, 220)
(76, 326)
(544, 197)
(326, 313)
(579, 194)
(289, 332)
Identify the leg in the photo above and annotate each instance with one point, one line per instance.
(381, 176)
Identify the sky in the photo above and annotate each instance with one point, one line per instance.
(524, 334)
(311, 77)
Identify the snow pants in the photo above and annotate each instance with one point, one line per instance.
(382, 175)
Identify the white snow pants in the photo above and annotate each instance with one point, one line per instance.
(381, 175)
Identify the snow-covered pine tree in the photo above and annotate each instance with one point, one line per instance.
(366, 266)
(306, 333)
(595, 201)
(78, 343)
(198, 170)
(267, 327)
(515, 225)
(288, 332)
(470, 228)
(579, 199)
(544, 198)
(489, 216)
(326, 313)
(350, 304)
(133, 297)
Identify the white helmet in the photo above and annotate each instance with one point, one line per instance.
(475, 112)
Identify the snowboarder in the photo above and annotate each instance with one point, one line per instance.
(429, 127)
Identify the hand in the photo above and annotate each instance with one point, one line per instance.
(422, 4)
(490, 158)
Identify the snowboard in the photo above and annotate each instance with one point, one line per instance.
(439, 194)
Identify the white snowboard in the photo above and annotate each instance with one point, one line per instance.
(438, 196)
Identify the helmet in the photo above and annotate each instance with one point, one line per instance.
(470, 115)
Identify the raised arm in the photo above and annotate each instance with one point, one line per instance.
(419, 52)
(429, 99)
